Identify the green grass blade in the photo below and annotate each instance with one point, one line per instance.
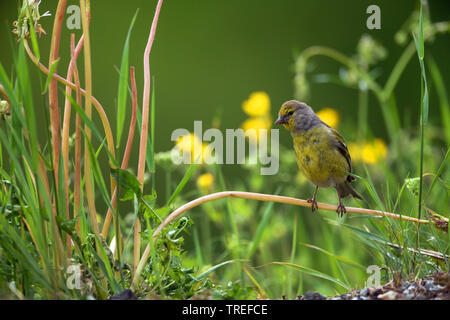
(182, 183)
(50, 75)
(340, 258)
(123, 83)
(438, 173)
(443, 97)
(260, 229)
(217, 266)
(312, 272)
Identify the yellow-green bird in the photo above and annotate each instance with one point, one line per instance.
(320, 150)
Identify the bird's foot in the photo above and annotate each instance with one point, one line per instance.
(314, 205)
(341, 210)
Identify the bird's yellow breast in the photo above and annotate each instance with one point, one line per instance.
(320, 161)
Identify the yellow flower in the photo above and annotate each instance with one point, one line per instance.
(258, 104)
(329, 116)
(205, 181)
(369, 152)
(190, 144)
(355, 151)
(380, 147)
(257, 123)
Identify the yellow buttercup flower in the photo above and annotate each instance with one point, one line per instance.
(205, 181)
(329, 116)
(258, 104)
(190, 144)
(257, 123)
(369, 152)
(355, 151)
(380, 147)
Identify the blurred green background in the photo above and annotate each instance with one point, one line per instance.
(209, 55)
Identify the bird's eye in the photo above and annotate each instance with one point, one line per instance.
(290, 113)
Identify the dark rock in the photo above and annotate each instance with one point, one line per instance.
(126, 294)
(314, 296)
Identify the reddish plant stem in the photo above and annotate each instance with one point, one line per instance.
(97, 105)
(74, 52)
(128, 147)
(84, 7)
(77, 179)
(144, 135)
(53, 87)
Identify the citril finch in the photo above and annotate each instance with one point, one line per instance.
(320, 150)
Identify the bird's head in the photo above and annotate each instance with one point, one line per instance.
(291, 113)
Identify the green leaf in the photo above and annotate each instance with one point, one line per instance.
(217, 266)
(128, 182)
(33, 37)
(123, 83)
(50, 75)
(421, 41)
(259, 231)
(98, 174)
(340, 258)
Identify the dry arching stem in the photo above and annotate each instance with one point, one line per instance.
(279, 199)
(261, 197)
(96, 103)
(144, 128)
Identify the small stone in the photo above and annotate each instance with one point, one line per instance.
(408, 294)
(314, 296)
(390, 295)
(364, 292)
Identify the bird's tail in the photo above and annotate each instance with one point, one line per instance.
(344, 189)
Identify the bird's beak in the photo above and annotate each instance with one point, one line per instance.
(281, 120)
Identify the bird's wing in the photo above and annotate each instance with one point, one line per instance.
(339, 144)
